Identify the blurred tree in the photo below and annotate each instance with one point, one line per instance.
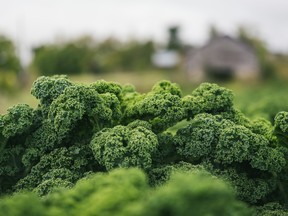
(85, 55)
(8, 59)
(133, 55)
(72, 57)
(267, 67)
(105, 54)
(9, 64)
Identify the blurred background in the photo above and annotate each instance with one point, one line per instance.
(242, 45)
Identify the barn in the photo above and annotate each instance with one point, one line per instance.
(222, 58)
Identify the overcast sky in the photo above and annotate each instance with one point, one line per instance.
(32, 22)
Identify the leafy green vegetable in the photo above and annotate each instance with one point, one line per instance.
(78, 130)
(125, 146)
(126, 192)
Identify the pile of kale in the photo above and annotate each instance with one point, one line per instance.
(200, 139)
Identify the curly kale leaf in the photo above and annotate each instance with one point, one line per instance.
(46, 89)
(18, 120)
(124, 146)
(162, 107)
(77, 102)
(208, 98)
(198, 138)
(65, 165)
(281, 128)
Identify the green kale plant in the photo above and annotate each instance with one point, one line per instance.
(78, 130)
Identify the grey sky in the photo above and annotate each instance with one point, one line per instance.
(31, 22)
